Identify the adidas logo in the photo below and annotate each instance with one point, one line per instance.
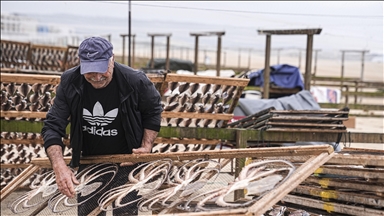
(99, 119)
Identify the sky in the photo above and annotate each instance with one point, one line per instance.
(353, 25)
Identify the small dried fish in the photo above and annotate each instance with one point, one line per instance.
(183, 87)
(172, 86)
(11, 88)
(195, 99)
(171, 106)
(24, 89)
(205, 88)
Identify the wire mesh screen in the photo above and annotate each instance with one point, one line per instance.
(161, 187)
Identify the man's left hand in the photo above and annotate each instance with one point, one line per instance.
(141, 150)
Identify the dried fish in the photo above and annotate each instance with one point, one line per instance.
(171, 106)
(11, 88)
(206, 98)
(172, 86)
(24, 89)
(195, 99)
(172, 98)
(194, 87)
(183, 98)
(183, 87)
(205, 88)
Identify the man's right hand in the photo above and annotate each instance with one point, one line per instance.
(65, 178)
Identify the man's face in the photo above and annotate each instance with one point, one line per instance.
(100, 80)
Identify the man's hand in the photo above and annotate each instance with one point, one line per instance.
(141, 150)
(65, 180)
(64, 176)
(146, 145)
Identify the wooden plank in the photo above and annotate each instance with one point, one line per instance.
(6, 166)
(366, 173)
(307, 130)
(23, 114)
(301, 124)
(307, 118)
(353, 106)
(44, 79)
(345, 183)
(16, 182)
(309, 112)
(30, 78)
(218, 116)
(225, 153)
(338, 195)
(342, 159)
(293, 181)
(206, 79)
(186, 141)
(332, 207)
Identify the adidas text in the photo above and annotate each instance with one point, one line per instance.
(100, 132)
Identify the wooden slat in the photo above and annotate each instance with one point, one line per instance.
(23, 114)
(274, 196)
(345, 183)
(16, 182)
(225, 153)
(30, 78)
(304, 124)
(309, 112)
(340, 195)
(218, 116)
(186, 141)
(366, 173)
(306, 130)
(332, 207)
(206, 79)
(306, 118)
(6, 166)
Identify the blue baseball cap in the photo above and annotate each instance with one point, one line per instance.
(94, 54)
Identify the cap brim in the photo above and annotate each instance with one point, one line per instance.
(100, 66)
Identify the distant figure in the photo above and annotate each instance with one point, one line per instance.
(206, 60)
(331, 96)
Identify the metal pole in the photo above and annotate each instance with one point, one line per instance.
(123, 60)
(129, 34)
(133, 51)
(266, 67)
(308, 62)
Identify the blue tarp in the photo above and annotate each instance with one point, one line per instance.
(283, 75)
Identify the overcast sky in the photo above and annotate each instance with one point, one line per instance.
(358, 22)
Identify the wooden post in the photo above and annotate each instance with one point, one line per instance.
(196, 54)
(241, 143)
(308, 63)
(152, 51)
(167, 55)
(218, 55)
(266, 67)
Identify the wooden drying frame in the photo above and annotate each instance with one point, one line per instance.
(320, 155)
